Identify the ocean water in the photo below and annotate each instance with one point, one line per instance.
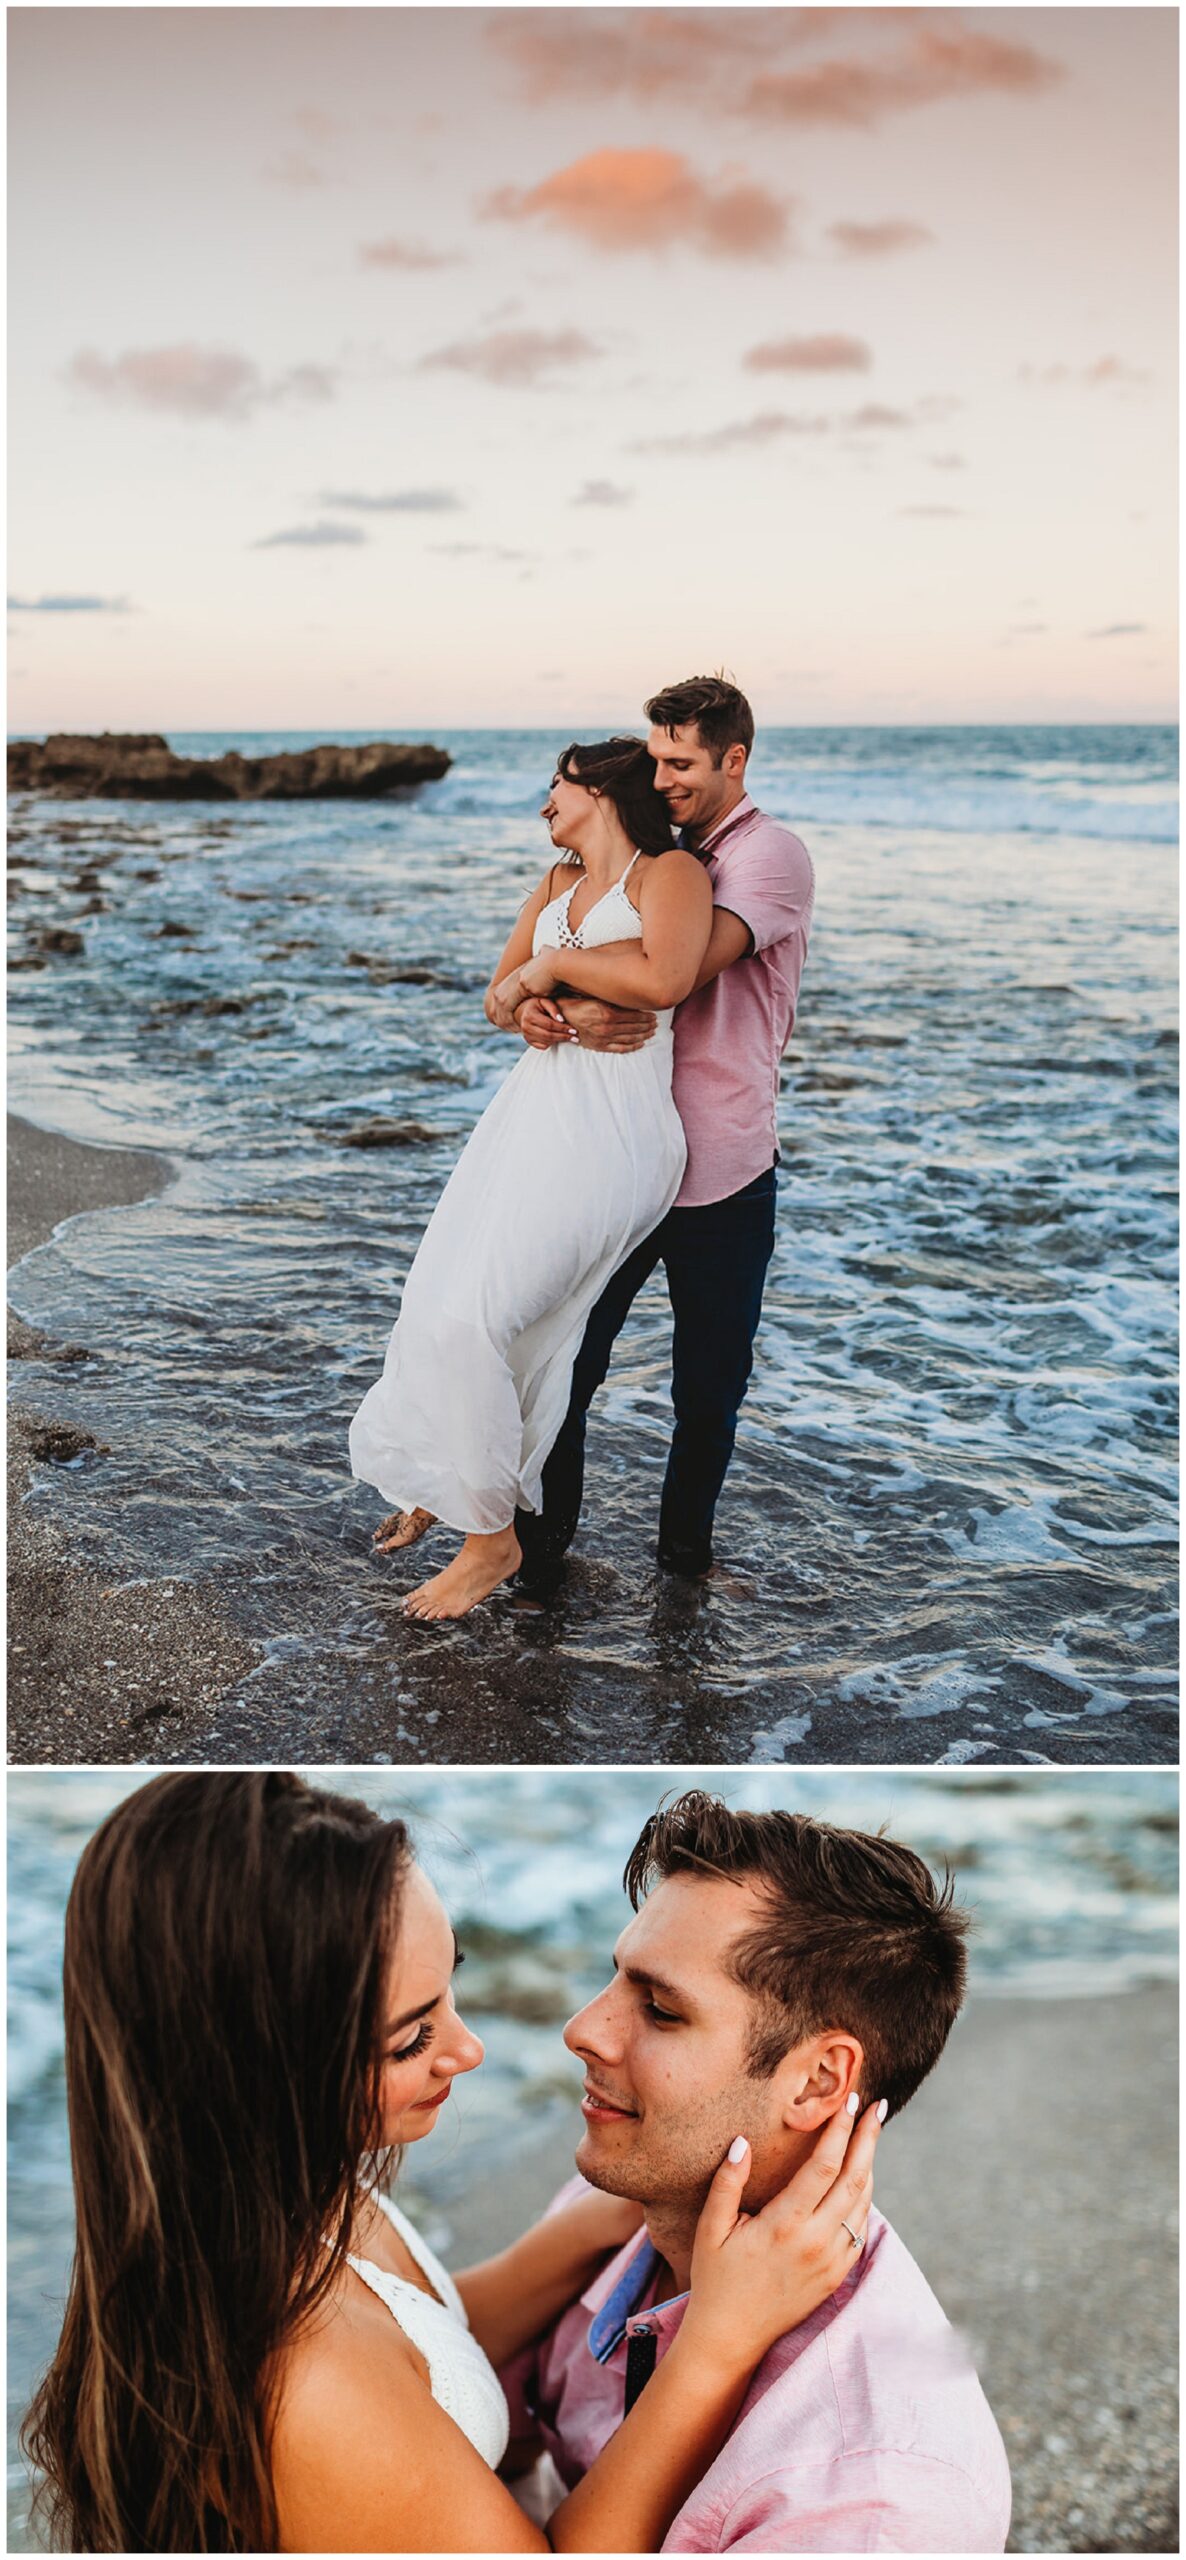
(950, 1521)
(1070, 1879)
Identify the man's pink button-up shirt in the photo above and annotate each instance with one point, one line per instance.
(863, 2430)
(730, 1035)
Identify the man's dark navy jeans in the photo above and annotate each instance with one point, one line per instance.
(716, 1260)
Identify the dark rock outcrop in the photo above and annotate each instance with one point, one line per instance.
(119, 767)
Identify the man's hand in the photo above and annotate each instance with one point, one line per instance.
(599, 1025)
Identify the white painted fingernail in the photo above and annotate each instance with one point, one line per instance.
(882, 2110)
(738, 2148)
(852, 2103)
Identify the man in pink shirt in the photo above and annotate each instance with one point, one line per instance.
(730, 1034)
(774, 1966)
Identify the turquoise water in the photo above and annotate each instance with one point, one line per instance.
(952, 1511)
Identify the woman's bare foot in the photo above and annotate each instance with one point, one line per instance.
(477, 1569)
(401, 1529)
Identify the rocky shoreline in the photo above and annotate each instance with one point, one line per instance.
(98, 1667)
(124, 766)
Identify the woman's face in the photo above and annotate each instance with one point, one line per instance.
(567, 809)
(425, 2044)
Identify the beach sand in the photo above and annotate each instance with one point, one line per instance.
(97, 1671)
(1034, 2179)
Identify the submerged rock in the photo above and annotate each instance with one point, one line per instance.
(121, 766)
(386, 1133)
(55, 1441)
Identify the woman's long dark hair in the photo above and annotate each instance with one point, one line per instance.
(227, 1943)
(622, 771)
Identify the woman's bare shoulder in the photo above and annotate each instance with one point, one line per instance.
(674, 866)
(347, 2395)
(341, 2365)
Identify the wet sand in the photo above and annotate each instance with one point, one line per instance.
(1034, 2178)
(97, 1671)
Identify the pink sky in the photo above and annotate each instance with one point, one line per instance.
(409, 368)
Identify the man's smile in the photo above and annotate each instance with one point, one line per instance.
(602, 2110)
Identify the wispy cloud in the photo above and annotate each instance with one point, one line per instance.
(932, 511)
(69, 604)
(392, 502)
(1106, 370)
(1118, 631)
(823, 354)
(771, 426)
(933, 64)
(641, 54)
(648, 199)
(878, 239)
(310, 537)
(724, 59)
(514, 359)
(411, 256)
(768, 427)
(187, 381)
(603, 493)
(480, 551)
(947, 462)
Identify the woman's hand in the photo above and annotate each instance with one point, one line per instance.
(754, 2276)
(502, 1000)
(539, 975)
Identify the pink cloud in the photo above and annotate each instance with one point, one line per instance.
(648, 199)
(878, 239)
(513, 359)
(933, 66)
(643, 54)
(1105, 370)
(809, 355)
(723, 58)
(195, 382)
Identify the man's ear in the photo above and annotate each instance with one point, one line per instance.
(733, 761)
(817, 2078)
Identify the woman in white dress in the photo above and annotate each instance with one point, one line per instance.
(577, 1158)
(259, 2351)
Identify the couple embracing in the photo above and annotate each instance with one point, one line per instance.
(654, 983)
(714, 2338)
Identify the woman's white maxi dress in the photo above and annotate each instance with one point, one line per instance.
(577, 1158)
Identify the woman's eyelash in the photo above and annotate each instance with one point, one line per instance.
(408, 2052)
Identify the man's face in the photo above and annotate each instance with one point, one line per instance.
(664, 2048)
(696, 790)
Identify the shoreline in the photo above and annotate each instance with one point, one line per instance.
(1038, 2202)
(52, 1177)
(91, 1662)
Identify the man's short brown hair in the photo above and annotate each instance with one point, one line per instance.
(858, 1934)
(721, 714)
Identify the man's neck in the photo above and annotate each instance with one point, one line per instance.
(696, 837)
(671, 2229)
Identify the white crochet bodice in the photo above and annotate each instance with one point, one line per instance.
(613, 918)
(462, 2379)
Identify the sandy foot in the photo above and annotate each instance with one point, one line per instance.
(474, 1573)
(401, 1529)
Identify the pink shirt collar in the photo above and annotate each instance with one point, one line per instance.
(744, 809)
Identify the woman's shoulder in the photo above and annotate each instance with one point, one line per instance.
(673, 866)
(344, 2376)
